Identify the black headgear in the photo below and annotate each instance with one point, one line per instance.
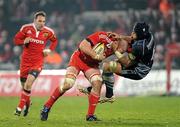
(142, 30)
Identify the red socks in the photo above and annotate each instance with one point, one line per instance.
(93, 100)
(25, 98)
(56, 94)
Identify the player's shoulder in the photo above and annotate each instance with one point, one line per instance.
(138, 46)
(49, 29)
(26, 26)
(101, 34)
(139, 42)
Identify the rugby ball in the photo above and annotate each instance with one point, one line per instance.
(99, 48)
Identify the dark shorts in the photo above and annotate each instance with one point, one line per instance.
(35, 73)
(137, 72)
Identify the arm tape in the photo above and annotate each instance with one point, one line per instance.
(118, 54)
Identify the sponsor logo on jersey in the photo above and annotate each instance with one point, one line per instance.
(45, 34)
(37, 41)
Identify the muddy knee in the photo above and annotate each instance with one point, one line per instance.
(68, 84)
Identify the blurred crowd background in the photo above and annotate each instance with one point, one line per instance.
(73, 20)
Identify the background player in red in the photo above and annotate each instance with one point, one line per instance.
(33, 37)
(84, 59)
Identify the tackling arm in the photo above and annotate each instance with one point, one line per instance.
(85, 47)
(125, 60)
(120, 47)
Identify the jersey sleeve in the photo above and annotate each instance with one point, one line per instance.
(137, 50)
(20, 36)
(53, 40)
(97, 37)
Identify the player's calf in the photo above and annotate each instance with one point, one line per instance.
(108, 79)
(26, 109)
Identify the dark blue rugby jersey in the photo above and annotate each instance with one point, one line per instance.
(143, 51)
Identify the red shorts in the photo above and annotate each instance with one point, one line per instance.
(80, 64)
(26, 68)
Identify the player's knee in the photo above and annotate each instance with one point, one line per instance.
(105, 66)
(112, 66)
(68, 84)
(95, 78)
(96, 82)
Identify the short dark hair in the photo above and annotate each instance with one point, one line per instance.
(39, 13)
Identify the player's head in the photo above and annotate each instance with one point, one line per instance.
(140, 31)
(39, 19)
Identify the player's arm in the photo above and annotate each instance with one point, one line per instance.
(120, 37)
(54, 42)
(52, 46)
(85, 46)
(20, 38)
(120, 46)
(128, 59)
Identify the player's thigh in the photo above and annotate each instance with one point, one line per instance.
(112, 66)
(32, 75)
(24, 70)
(72, 72)
(29, 81)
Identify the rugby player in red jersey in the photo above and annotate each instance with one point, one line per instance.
(33, 37)
(85, 59)
(135, 64)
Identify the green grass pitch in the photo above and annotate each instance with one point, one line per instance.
(70, 112)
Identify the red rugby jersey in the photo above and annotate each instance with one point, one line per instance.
(95, 38)
(33, 51)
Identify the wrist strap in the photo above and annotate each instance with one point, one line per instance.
(118, 54)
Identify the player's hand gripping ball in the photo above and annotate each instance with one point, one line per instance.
(99, 48)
